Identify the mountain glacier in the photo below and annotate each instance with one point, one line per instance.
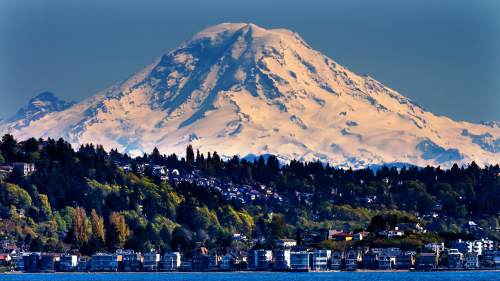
(241, 89)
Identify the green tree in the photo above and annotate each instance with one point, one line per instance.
(189, 154)
(44, 205)
(18, 197)
(278, 226)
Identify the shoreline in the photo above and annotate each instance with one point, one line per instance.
(245, 272)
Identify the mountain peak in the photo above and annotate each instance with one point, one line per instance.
(252, 33)
(238, 88)
(37, 107)
(45, 96)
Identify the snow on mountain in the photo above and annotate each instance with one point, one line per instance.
(242, 89)
(37, 107)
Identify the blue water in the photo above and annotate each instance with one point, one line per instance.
(266, 276)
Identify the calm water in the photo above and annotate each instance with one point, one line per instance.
(250, 276)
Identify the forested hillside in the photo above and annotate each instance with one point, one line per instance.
(88, 200)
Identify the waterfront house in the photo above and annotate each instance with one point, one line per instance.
(455, 259)
(227, 262)
(259, 259)
(48, 262)
(186, 265)
(200, 259)
(321, 260)
(427, 261)
(496, 259)
(32, 262)
(68, 262)
(150, 261)
(104, 262)
(337, 259)
(386, 261)
(213, 262)
(281, 259)
(83, 264)
(19, 262)
(171, 261)
(299, 260)
(488, 259)
(352, 259)
(128, 260)
(405, 260)
(471, 260)
(370, 260)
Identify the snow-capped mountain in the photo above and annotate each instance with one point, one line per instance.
(242, 89)
(37, 107)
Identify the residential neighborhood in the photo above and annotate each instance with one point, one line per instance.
(286, 257)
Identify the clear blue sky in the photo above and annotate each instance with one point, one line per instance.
(444, 54)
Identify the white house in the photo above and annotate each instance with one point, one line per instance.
(321, 259)
(286, 243)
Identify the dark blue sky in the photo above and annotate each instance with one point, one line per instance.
(444, 54)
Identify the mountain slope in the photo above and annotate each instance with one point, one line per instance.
(241, 89)
(37, 107)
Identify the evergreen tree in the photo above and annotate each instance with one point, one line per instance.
(189, 154)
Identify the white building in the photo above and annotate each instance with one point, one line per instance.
(171, 261)
(321, 259)
(299, 260)
(24, 168)
(286, 243)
